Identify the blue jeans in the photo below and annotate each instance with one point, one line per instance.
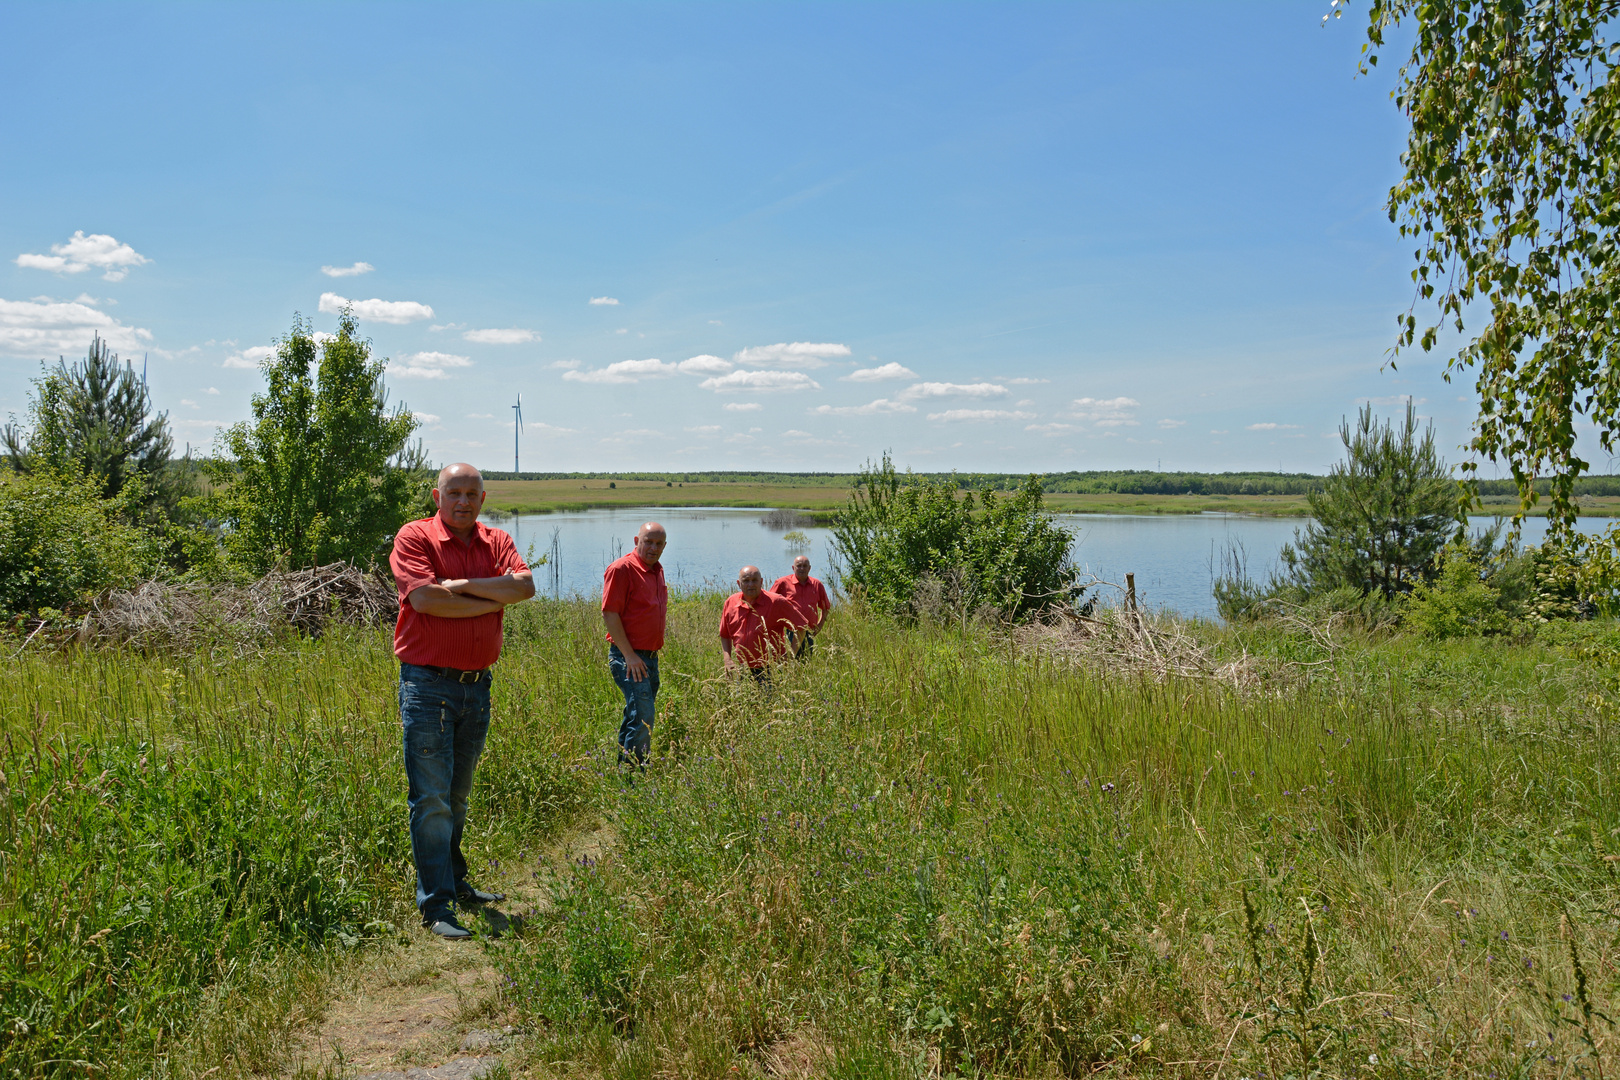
(635, 731)
(444, 722)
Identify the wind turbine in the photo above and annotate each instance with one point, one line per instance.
(517, 429)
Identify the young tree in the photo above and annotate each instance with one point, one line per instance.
(1510, 188)
(324, 471)
(95, 418)
(897, 533)
(1382, 515)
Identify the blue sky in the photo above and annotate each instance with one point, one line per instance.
(1020, 237)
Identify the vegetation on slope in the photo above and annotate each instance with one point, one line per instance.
(936, 847)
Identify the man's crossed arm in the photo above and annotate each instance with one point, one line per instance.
(464, 598)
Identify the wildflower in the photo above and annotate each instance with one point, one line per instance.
(1504, 935)
(1372, 1059)
(1108, 787)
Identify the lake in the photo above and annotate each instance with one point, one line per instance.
(1170, 554)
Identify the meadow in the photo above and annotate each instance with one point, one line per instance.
(823, 498)
(940, 849)
(825, 494)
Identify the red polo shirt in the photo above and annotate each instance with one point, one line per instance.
(425, 552)
(808, 600)
(757, 631)
(636, 592)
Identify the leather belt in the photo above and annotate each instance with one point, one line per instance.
(456, 674)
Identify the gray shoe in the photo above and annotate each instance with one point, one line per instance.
(447, 928)
(469, 894)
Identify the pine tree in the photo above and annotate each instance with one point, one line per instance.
(1383, 514)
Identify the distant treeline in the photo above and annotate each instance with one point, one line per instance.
(1124, 482)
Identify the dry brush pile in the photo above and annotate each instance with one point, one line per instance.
(187, 615)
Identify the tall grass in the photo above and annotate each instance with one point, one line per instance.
(931, 850)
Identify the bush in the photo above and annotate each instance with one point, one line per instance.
(1462, 600)
(909, 540)
(61, 542)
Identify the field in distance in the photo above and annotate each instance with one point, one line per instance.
(823, 496)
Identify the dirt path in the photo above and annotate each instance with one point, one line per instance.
(426, 1009)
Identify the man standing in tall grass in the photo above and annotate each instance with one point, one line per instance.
(635, 602)
(808, 604)
(455, 576)
(754, 626)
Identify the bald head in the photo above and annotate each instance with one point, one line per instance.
(801, 568)
(650, 541)
(459, 495)
(750, 582)
(459, 469)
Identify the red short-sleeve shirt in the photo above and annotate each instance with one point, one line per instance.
(808, 600)
(425, 552)
(757, 631)
(636, 592)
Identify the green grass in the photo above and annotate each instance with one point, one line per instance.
(932, 850)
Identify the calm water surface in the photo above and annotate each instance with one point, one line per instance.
(1171, 554)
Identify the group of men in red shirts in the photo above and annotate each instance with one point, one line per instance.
(456, 576)
(758, 627)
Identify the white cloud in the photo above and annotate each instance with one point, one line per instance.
(797, 354)
(919, 391)
(624, 372)
(397, 312)
(622, 330)
(706, 429)
(1220, 431)
(794, 433)
(427, 365)
(549, 429)
(950, 415)
(564, 365)
(427, 419)
(348, 271)
(1394, 399)
(716, 322)
(705, 365)
(86, 298)
(1024, 382)
(188, 402)
(1106, 412)
(604, 301)
(98, 251)
(249, 359)
(1268, 426)
(448, 326)
(880, 407)
(480, 416)
(878, 374)
(742, 406)
(1167, 424)
(41, 326)
(212, 390)
(513, 336)
(760, 380)
(1050, 429)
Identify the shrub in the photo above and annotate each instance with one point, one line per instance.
(1461, 601)
(905, 539)
(61, 541)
